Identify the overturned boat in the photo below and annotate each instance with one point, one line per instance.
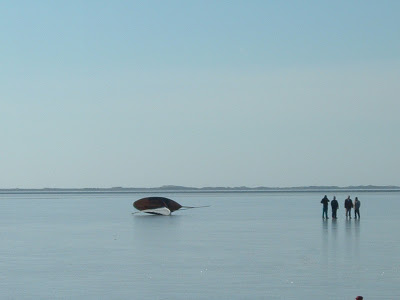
(159, 206)
(156, 205)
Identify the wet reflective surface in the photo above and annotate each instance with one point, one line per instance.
(245, 246)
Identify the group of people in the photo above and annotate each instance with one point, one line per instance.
(348, 205)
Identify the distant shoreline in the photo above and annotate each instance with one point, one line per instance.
(182, 189)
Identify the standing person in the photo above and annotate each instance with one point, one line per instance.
(325, 202)
(357, 205)
(359, 298)
(335, 207)
(348, 204)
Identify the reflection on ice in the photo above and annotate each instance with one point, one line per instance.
(273, 247)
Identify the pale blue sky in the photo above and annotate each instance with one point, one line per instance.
(199, 93)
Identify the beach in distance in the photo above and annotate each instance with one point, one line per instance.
(246, 245)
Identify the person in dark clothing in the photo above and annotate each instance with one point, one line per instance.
(325, 202)
(348, 204)
(335, 207)
(357, 205)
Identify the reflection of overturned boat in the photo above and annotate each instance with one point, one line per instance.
(159, 206)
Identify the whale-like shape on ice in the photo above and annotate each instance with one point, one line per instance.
(159, 205)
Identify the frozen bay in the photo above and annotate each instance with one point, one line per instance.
(245, 246)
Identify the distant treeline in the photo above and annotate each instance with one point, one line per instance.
(176, 188)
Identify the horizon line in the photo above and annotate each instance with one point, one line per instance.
(178, 187)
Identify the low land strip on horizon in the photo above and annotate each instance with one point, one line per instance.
(183, 189)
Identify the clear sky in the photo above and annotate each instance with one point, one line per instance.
(199, 93)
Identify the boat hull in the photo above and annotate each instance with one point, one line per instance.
(157, 205)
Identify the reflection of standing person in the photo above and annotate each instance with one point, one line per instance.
(325, 202)
(359, 298)
(348, 204)
(357, 205)
(335, 207)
